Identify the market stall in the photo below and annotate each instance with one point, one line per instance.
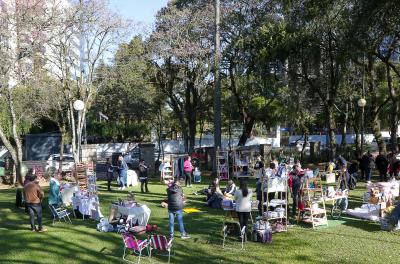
(67, 193)
(223, 165)
(243, 162)
(376, 200)
(87, 205)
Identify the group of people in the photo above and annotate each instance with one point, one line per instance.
(385, 164)
(33, 195)
(122, 171)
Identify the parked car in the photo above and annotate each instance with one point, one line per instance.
(68, 162)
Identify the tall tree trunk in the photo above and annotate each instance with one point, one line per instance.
(376, 124)
(191, 115)
(344, 130)
(394, 117)
(201, 131)
(63, 132)
(305, 134)
(248, 124)
(331, 132)
(358, 142)
(18, 143)
(394, 121)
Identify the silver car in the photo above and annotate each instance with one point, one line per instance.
(67, 164)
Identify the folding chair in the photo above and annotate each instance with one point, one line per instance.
(161, 243)
(59, 213)
(231, 223)
(137, 246)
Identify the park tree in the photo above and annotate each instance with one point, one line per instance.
(125, 92)
(180, 51)
(252, 35)
(86, 32)
(26, 27)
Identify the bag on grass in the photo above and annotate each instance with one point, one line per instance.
(137, 230)
(260, 225)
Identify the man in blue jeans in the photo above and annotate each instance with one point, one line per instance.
(175, 206)
(123, 173)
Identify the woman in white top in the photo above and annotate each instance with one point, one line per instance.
(243, 203)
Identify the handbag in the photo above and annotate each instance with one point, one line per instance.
(261, 225)
(137, 230)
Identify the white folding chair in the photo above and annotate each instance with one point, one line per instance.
(59, 213)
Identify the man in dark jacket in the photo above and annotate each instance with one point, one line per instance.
(143, 176)
(368, 164)
(175, 206)
(296, 183)
(382, 163)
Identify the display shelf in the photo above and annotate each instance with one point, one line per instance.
(279, 186)
(223, 165)
(312, 196)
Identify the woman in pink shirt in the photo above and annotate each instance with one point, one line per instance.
(188, 168)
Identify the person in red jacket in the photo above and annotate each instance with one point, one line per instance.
(188, 168)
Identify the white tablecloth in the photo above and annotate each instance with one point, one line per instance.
(67, 194)
(132, 178)
(87, 206)
(140, 214)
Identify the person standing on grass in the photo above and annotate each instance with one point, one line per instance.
(188, 169)
(243, 203)
(143, 176)
(110, 173)
(295, 184)
(175, 208)
(382, 163)
(368, 164)
(33, 199)
(54, 192)
(123, 173)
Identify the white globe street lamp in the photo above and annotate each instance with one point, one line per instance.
(79, 105)
(362, 103)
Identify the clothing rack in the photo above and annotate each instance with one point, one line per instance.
(177, 165)
(223, 165)
(278, 184)
(243, 163)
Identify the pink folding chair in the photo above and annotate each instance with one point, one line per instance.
(162, 244)
(137, 246)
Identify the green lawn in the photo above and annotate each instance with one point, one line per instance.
(346, 241)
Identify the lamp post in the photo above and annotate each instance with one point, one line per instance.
(79, 105)
(361, 103)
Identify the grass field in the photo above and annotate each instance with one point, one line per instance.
(347, 240)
